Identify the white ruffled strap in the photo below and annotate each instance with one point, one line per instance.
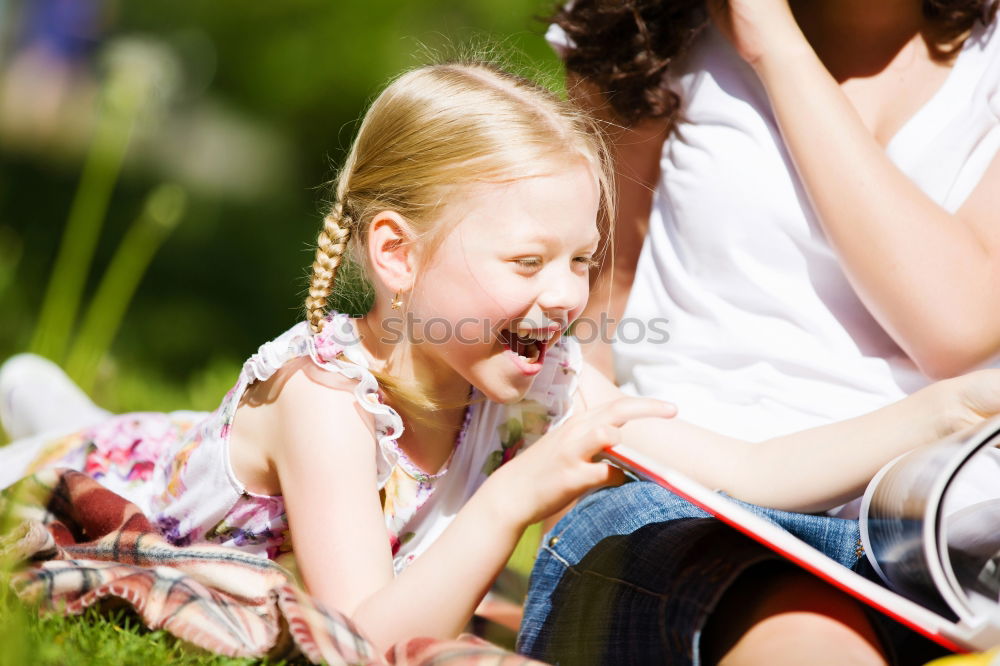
(336, 348)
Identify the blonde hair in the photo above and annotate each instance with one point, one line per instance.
(434, 129)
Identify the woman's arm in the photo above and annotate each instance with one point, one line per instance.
(636, 151)
(814, 469)
(930, 278)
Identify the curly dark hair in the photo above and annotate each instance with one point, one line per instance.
(625, 46)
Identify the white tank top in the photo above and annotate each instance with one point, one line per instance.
(766, 335)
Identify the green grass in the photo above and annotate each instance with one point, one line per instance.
(111, 637)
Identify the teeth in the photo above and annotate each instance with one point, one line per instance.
(540, 336)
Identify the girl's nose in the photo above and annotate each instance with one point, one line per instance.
(561, 294)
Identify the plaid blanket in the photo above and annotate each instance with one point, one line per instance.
(77, 544)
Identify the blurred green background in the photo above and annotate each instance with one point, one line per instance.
(171, 159)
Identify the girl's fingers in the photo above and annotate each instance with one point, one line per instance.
(605, 435)
(601, 427)
(623, 410)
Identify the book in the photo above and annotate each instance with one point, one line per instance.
(930, 526)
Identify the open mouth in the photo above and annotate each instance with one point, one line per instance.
(530, 349)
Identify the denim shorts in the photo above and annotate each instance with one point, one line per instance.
(632, 574)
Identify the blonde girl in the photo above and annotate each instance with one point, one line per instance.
(401, 454)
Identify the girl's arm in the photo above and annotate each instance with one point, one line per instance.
(636, 152)
(814, 469)
(931, 278)
(326, 466)
(325, 460)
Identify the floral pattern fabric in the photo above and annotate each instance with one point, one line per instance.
(176, 468)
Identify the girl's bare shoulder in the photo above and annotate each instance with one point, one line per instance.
(308, 387)
(299, 410)
(302, 394)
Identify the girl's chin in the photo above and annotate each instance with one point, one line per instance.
(506, 398)
(499, 388)
(502, 378)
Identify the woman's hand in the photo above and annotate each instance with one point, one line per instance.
(757, 27)
(974, 397)
(560, 466)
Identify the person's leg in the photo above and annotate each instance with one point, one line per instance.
(777, 615)
(633, 574)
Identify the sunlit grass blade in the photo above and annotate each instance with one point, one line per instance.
(163, 209)
(120, 102)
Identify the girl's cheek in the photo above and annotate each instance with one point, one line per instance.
(504, 301)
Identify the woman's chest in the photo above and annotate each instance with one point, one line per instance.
(886, 100)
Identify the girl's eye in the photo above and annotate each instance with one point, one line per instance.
(536, 262)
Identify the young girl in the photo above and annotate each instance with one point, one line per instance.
(390, 452)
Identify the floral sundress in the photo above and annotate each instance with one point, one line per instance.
(175, 466)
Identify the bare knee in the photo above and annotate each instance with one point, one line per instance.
(789, 617)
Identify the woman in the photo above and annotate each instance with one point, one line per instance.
(822, 234)
(818, 180)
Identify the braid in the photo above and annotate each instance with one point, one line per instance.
(330, 249)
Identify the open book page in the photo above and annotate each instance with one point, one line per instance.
(894, 525)
(970, 514)
(930, 525)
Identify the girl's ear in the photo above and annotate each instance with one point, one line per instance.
(392, 251)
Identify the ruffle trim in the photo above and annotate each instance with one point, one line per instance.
(337, 348)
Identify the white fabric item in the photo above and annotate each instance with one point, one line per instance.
(17, 457)
(36, 396)
(766, 334)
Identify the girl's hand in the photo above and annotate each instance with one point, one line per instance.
(559, 467)
(756, 27)
(974, 397)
